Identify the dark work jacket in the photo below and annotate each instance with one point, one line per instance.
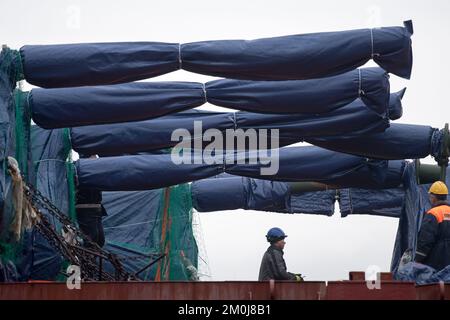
(90, 196)
(433, 243)
(273, 266)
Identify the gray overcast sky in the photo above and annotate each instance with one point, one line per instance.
(322, 248)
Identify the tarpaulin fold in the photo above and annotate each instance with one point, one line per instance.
(302, 56)
(133, 230)
(385, 202)
(142, 172)
(294, 57)
(117, 139)
(71, 107)
(49, 150)
(80, 64)
(422, 274)
(416, 203)
(79, 106)
(227, 192)
(399, 141)
(9, 74)
(303, 96)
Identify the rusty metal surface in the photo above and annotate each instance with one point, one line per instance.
(386, 276)
(357, 276)
(437, 291)
(299, 291)
(361, 276)
(138, 291)
(228, 290)
(358, 290)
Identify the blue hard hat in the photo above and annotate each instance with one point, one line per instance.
(274, 234)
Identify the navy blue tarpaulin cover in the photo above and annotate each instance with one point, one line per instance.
(142, 172)
(422, 274)
(399, 141)
(9, 74)
(415, 205)
(134, 232)
(7, 139)
(227, 192)
(385, 202)
(49, 149)
(132, 228)
(303, 96)
(282, 58)
(70, 107)
(117, 139)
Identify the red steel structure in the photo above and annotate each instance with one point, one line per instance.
(227, 290)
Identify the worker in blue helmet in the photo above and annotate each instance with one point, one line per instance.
(273, 266)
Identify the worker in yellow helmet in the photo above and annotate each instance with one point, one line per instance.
(433, 243)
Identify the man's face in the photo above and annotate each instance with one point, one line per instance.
(432, 199)
(280, 244)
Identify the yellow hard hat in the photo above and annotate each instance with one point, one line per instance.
(438, 188)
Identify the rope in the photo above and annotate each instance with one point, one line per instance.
(180, 62)
(163, 243)
(204, 92)
(372, 45)
(360, 90)
(25, 216)
(234, 121)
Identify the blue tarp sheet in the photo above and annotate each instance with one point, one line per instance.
(142, 172)
(226, 192)
(422, 274)
(133, 230)
(49, 150)
(71, 107)
(416, 203)
(386, 202)
(296, 57)
(6, 137)
(132, 227)
(133, 137)
(10, 72)
(399, 141)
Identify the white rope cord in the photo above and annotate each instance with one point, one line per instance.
(224, 160)
(372, 45)
(360, 90)
(180, 64)
(204, 92)
(25, 217)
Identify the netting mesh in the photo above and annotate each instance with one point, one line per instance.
(22, 130)
(70, 174)
(11, 71)
(11, 65)
(142, 226)
(177, 239)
